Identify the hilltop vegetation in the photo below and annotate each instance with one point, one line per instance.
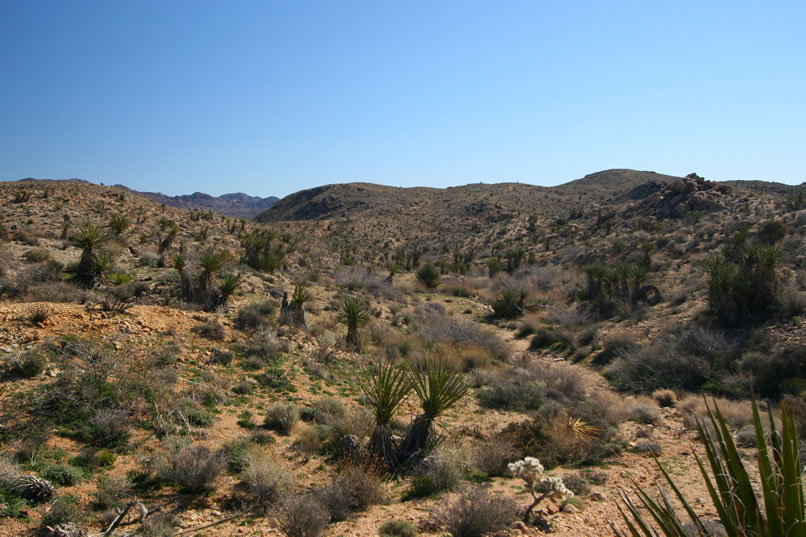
(368, 359)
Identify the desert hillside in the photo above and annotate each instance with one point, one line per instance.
(368, 360)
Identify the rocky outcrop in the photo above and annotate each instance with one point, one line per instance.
(676, 200)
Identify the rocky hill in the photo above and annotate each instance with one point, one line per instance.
(474, 201)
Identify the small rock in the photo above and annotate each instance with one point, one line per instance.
(569, 508)
(597, 497)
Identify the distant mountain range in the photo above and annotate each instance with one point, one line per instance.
(238, 204)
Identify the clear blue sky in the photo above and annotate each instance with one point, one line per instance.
(272, 97)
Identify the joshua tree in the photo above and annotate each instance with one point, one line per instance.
(438, 387)
(353, 314)
(385, 390)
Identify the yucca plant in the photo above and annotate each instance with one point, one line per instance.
(776, 512)
(353, 314)
(230, 282)
(211, 262)
(118, 223)
(385, 389)
(509, 304)
(438, 387)
(89, 237)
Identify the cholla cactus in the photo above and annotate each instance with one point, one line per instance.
(33, 488)
(533, 473)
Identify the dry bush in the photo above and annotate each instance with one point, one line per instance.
(355, 488)
(435, 328)
(303, 517)
(665, 398)
(194, 468)
(281, 417)
(475, 513)
(8, 472)
(644, 410)
(265, 478)
(441, 471)
(492, 456)
(614, 345)
(211, 329)
(736, 413)
(159, 525)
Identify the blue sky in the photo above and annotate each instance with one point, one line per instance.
(272, 97)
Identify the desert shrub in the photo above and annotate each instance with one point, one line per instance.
(771, 232)
(742, 283)
(578, 484)
(778, 373)
(265, 345)
(325, 411)
(518, 394)
(36, 255)
(112, 492)
(281, 417)
(491, 457)
(737, 414)
(665, 398)
(435, 328)
(194, 468)
(63, 474)
(688, 358)
(355, 488)
(428, 275)
(475, 513)
(397, 528)
(303, 517)
(255, 315)
(266, 479)
(9, 472)
(158, 525)
(613, 346)
(63, 510)
(439, 472)
(556, 338)
(509, 304)
(210, 330)
(644, 411)
(26, 365)
(110, 427)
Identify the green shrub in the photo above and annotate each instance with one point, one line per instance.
(397, 528)
(63, 510)
(509, 304)
(428, 275)
(63, 474)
